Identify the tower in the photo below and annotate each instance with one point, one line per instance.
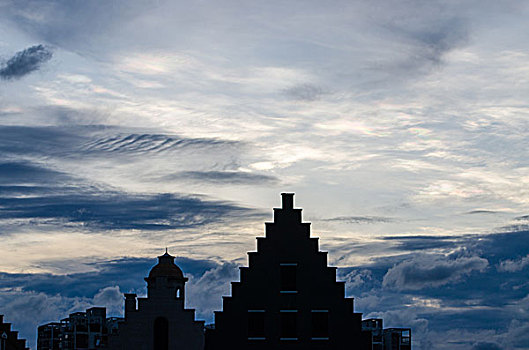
(160, 321)
(287, 297)
(166, 281)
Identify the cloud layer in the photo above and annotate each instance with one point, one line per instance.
(402, 128)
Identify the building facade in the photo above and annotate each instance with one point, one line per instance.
(160, 321)
(397, 339)
(375, 329)
(287, 298)
(80, 330)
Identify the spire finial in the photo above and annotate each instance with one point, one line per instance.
(166, 250)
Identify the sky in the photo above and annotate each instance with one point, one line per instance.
(128, 126)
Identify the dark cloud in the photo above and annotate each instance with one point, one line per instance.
(424, 35)
(481, 211)
(25, 62)
(361, 219)
(36, 141)
(224, 177)
(412, 243)
(436, 39)
(24, 173)
(427, 271)
(109, 210)
(486, 346)
(28, 191)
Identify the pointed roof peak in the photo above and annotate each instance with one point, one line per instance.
(166, 257)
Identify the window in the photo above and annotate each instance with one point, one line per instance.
(288, 277)
(288, 319)
(320, 324)
(256, 324)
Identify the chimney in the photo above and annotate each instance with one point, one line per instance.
(288, 201)
(130, 303)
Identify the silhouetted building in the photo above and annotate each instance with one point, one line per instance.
(81, 330)
(374, 328)
(397, 339)
(160, 321)
(49, 336)
(9, 338)
(287, 298)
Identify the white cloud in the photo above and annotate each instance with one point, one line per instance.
(513, 265)
(424, 271)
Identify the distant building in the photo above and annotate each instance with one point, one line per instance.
(374, 327)
(49, 336)
(287, 298)
(160, 321)
(81, 330)
(397, 339)
(9, 339)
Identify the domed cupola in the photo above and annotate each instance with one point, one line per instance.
(166, 268)
(166, 279)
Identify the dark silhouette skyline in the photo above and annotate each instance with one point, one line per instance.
(287, 298)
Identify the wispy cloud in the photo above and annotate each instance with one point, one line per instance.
(25, 62)
(223, 177)
(361, 219)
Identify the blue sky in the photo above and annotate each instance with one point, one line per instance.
(402, 126)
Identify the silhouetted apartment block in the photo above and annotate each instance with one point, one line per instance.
(287, 298)
(374, 327)
(397, 339)
(160, 321)
(81, 330)
(49, 336)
